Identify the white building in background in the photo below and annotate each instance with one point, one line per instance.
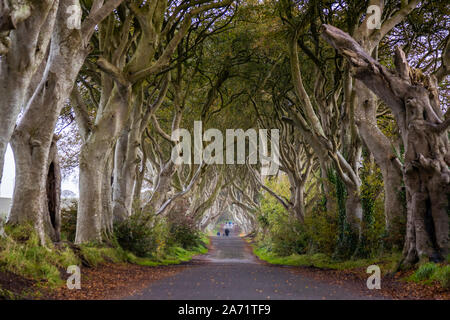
(5, 204)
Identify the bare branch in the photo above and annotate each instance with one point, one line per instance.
(165, 206)
(389, 24)
(160, 131)
(284, 202)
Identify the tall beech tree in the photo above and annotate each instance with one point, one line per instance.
(126, 152)
(33, 135)
(296, 160)
(365, 113)
(160, 27)
(314, 113)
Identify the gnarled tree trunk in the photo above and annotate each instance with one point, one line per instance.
(93, 160)
(33, 135)
(126, 158)
(91, 182)
(414, 101)
(37, 189)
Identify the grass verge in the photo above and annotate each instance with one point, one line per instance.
(427, 273)
(174, 255)
(322, 261)
(432, 272)
(44, 267)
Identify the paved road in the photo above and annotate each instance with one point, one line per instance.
(231, 272)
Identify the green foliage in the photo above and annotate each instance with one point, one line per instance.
(91, 254)
(322, 231)
(177, 254)
(346, 237)
(263, 220)
(321, 227)
(289, 237)
(173, 255)
(388, 127)
(69, 221)
(373, 223)
(8, 295)
(284, 234)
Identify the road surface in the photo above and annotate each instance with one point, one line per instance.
(231, 272)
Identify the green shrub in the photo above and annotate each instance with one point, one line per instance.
(146, 236)
(184, 233)
(321, 228)
(135, 235)
(161, 233)
(290, 237)
(323, 231)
